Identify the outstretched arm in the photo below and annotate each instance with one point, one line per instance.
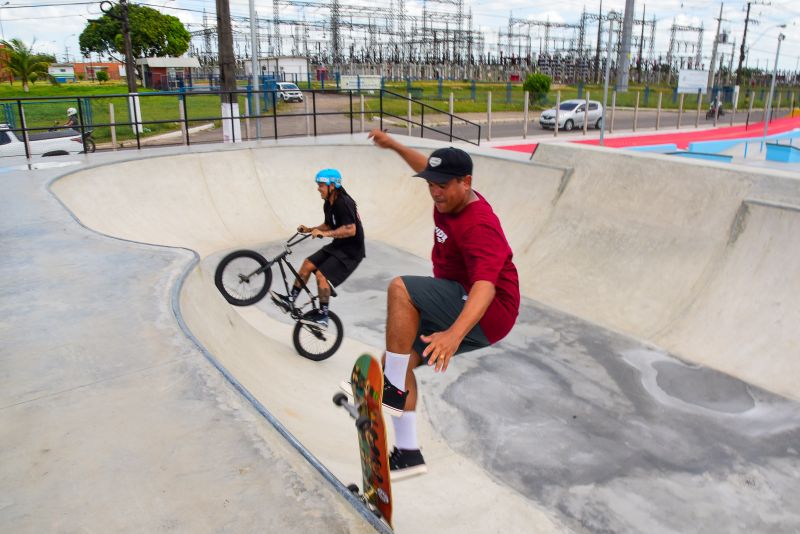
(415, 159)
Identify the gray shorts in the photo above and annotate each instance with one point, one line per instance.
(439, 303)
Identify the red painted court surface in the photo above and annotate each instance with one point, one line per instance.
(682, 139)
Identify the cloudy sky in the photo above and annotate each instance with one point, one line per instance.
(54, 25)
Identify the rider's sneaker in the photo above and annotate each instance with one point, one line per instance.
(282, 301)
(317, 318)
(404, 463)
(394, 400)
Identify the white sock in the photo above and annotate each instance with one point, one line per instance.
(405, 431)
(395, 369)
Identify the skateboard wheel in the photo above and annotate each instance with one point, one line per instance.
(339, 399)
(363, 423)
(353, 488)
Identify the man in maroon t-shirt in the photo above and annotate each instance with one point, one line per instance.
(471, 301)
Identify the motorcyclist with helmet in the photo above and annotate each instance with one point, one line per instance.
(334, 262)
(715, 108)
(72, 119)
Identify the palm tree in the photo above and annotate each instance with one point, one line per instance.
(5, 73)
(21, 62)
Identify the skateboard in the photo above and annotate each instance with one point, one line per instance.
(367, 384)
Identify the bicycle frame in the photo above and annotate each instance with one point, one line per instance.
(280, 259)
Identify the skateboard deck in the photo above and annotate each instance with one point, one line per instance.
(367, 384)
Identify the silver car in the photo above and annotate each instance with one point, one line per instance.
(571, 114)
(289, 92)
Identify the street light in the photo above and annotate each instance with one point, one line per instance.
(781, 37)
(66, 48)
(612, 16)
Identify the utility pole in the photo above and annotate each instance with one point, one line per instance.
(121, 14)
(255, 67)
(781, 37)
(231, 130)
(742, 49)
(607, 76)
(641, 42)
(714, 50)
(624, 58)
(130, 66)
(597, 50)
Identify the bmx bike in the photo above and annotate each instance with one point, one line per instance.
(244, 277)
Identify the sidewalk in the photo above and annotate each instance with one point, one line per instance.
(627, 138)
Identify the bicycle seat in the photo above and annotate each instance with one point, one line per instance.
(333, 289)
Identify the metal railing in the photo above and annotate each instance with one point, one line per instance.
(192, 108)
(421, 124)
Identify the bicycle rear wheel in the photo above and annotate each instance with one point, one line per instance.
(316, 343)
(235, 279)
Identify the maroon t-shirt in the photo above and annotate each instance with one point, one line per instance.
(470, 246)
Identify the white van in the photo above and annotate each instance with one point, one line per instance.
(289, 92)
(571, 114)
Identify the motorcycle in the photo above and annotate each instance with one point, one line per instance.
(88, 142)
(712, 109)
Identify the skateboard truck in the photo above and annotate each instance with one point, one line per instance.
(362, 422)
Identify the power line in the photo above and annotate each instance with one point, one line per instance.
(64, 4)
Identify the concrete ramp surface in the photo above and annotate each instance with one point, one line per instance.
(651, 383)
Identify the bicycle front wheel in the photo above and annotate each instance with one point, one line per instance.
(236, 280)
(317, 343)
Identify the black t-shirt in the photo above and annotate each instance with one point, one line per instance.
(341, 213)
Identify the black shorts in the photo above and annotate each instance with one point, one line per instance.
(336, 269)
(439, 303)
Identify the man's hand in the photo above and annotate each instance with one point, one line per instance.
(303, 229)
(317, 233)
(413, 157)
(441, 347)
(381, 138)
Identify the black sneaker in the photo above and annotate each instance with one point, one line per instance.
(282, 301)
(394, 400)
(404, 463)
(317, 318)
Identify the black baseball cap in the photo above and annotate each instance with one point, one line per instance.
(444, 164)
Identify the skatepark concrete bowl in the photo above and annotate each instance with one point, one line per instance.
(651, 383)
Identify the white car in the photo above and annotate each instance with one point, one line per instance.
(289, 92)
(56, 143)
(571, 114)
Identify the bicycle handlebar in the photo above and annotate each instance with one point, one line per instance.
(290, 243)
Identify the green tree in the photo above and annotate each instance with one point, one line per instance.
(537, 85)
(102, 76)
(22, 64)
(153, 34)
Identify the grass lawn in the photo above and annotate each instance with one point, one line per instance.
(160, 112)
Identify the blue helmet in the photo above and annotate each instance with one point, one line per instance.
(330, 177)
